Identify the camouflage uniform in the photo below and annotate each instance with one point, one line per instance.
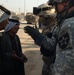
(47, 18)
(64, 64)
(50, 59)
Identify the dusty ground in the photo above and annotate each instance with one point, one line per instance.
(34, 64)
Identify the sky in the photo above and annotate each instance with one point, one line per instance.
(21, 5)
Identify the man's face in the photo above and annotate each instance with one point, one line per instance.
(60, 6)
(3, 24)
(45, 20)
(14, 30)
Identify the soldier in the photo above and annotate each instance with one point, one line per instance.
(64, 64)
(47, 19)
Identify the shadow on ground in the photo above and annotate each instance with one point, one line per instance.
(34, 63)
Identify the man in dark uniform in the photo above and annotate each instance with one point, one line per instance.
(12, 57)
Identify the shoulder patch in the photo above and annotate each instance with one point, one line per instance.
(63, 41)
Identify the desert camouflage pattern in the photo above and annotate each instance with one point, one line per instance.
(49, 27)
(47, 67)
(47, 18)
(49, 12)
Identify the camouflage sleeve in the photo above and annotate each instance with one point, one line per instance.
(65, 49)
(49, 43)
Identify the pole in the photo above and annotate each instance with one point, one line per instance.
(24, 7)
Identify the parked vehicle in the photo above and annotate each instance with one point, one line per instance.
(31, 18)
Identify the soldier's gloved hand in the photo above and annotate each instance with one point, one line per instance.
(35, 34)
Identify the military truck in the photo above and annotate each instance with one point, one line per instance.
(31, 18)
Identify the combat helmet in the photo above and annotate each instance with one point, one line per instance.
(52, 2)
(65, 9)
(44, 10)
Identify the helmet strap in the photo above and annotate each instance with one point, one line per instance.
(62, 14)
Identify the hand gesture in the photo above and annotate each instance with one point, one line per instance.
(14, 56)
(24, 58)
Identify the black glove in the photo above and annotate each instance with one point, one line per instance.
(35, 34)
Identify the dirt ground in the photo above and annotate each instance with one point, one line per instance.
(34, 63)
